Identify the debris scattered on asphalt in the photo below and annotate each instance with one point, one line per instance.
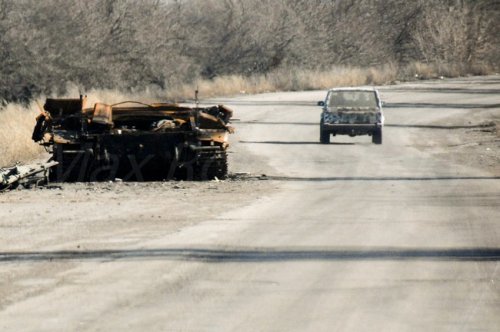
(25, 175)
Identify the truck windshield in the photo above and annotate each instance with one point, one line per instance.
(352, 99)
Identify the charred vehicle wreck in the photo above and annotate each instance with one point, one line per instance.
(134, 141)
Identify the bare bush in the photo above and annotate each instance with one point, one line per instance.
(457, 34)
(159, 46)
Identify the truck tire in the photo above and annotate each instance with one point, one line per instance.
(377, 136)
(324, 137)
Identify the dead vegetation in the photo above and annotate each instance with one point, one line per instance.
(160, 46)
(16, 126)
(285, 80)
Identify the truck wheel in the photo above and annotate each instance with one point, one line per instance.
(324, 137)
(377, 136)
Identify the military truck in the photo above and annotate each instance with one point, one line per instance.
(133, 140)
(353, 112)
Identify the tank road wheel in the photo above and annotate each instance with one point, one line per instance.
(221, 169)
(73, 165)
(324, 137)
(65, 171)
(377, 136)
(212, 165)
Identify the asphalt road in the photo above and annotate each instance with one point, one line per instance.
(349, 236)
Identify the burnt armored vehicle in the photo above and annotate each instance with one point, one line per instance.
(134, 141)
(353, 112)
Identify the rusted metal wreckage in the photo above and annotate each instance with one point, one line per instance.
(134, 141)
(26, 175)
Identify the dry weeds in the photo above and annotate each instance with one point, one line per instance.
(285, 80)
(16, 121)
(16, 126)
(298, 80)
(426, 71)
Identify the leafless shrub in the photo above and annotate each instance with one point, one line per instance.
(155, 46)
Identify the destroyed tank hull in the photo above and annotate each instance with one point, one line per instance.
(133, 141)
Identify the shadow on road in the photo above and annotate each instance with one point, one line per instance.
(379, 178)
(395, 125)
(292, 143)
(446, 90)
(262, 102)
(432, 105)
(424, 126)
(387, 105)
(280, 123)
(261, 255)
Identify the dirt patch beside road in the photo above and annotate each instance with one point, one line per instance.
(474, 144)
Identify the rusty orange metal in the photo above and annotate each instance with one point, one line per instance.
(161, 140)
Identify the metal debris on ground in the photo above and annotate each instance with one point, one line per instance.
(26, 175)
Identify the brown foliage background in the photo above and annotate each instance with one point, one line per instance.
(160, 45)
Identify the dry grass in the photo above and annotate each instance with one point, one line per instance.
(298, 80)
(16, 127)
(286, 80)
(426, 71)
